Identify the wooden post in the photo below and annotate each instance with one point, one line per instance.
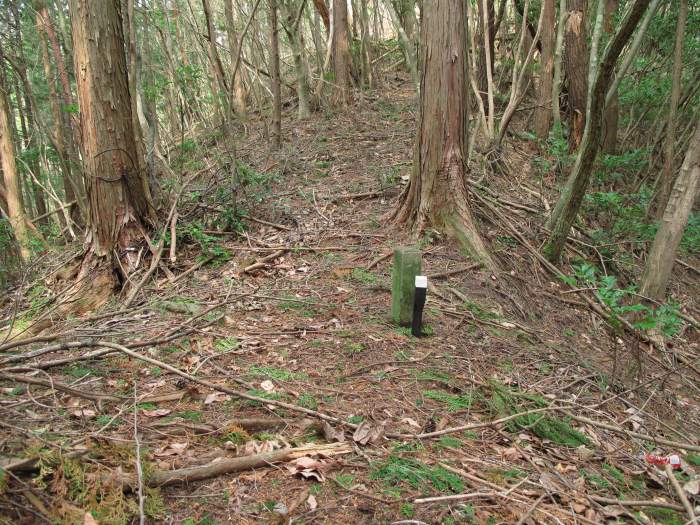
(407, 264)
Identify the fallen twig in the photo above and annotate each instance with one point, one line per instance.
(681, 495)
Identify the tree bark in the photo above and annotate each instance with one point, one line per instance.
(675, 217)
(13, 192)
(294, 12)
(556, 81)
(437, 193)
(275, 78)
(118, 193)
(665, 180)
(543, 115)
(341, 53)
(322, 10)
(572, 194)
(611, 108)
(576, 67)
(237, 94)
(485, 39)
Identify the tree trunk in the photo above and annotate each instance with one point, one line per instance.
(543, 115)
(485, 38)
(341, 53)
(556, 81)
(572, 194)
(130, 26)
(665, 180)
(323, 12)
(675, 217)
(296, 42)
(118, 193)
(611, 108)
(217, 66)
(275, 78)
(59, 123)
(576, 67)
(405, 43)
(13, 195)
(437, 193)
(238, 94)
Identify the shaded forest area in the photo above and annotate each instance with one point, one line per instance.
(200, 204)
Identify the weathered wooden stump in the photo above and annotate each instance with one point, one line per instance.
(407, 264)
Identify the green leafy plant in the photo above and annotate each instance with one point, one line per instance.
(453, 402)
(395, 470)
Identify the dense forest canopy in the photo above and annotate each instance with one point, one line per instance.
(544, 153)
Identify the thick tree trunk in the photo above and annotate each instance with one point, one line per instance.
(341, 53)
(675, 217)
(572, 194)
(275, 78)
(13, 192)
(118, 193)
(437, 193)
(543, 115)
(576, 67)
(665, 180)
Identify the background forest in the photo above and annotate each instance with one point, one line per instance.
(199, 205)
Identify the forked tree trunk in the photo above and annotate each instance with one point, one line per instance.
(663, 251)
(13, 192)
(576, 67)
(543, 114)
(437, 193)
(341, 53)
(665, 180)
(572, 194)
(118, 194)
(275, 78)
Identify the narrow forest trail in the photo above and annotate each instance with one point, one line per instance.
(310, 327)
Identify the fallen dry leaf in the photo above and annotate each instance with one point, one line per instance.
(83, 413)
(578, 508)
(311, 502)
(258, 447)
(366, 433)
(158, 412)
(173, 449)
(692, 487)
(267, 386)
(89, 520)
(411, 422)
(331, 434)
(216, 397)
(308, 468)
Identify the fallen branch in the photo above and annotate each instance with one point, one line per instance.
(447, 273)
(219, 467)
(27, 380)
(456, 497)
(635, 503)
(365, 195)
(263, 263)
(645, 437)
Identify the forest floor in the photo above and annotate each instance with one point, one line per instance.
(310, 327)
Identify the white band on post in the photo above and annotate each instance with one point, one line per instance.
(421, 281)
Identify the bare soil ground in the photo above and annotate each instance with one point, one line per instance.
(311, 328)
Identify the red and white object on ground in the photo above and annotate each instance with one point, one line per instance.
(673, 459)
